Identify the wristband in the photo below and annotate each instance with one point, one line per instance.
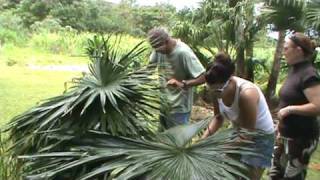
(184, 82)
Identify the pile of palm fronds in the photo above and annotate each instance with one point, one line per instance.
(104, 128)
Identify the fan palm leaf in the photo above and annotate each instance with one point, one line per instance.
(284, 14)
(171, 155)
(193, 36)
(313, 14)
(111, 98)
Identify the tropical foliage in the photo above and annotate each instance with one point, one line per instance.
(219, 26)
(104, 127)
(170, 155)
(312, 14)
(93, 15)
(112, 97)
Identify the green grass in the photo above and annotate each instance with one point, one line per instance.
(21, 88)
(22, 56)
(314, 174)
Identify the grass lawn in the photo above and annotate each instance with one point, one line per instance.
(21, 88)
(22, 56)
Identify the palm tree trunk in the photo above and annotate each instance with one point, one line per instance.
(249, 66)
(272, 83)
(240, 62)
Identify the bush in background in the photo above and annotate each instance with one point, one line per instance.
(11, 29)
(62, 41)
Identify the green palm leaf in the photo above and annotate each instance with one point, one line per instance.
(169, 156)
(313, 14)
(284, 14)
(111, 98)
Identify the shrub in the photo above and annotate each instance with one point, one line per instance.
(65, 41)
(11, 62)
(47, 25)
(11, 30)
(9, 36)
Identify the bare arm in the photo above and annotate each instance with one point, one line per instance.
(248, 104)
(310, 109)
(187, 83)
(197, 81)
(215, 123)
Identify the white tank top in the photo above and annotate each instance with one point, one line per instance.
(264, 120)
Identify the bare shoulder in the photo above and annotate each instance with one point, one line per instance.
(249, 94)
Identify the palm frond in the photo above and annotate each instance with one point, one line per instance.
(284, 14)
(313, 14)
(97, 154)
(193, 36)
(111, 98)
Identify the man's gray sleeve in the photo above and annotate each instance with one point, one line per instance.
(153, 58)
(193, 65)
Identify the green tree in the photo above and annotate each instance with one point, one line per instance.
(9, 4)
(147, 17)
(34, 10)
(229, 27)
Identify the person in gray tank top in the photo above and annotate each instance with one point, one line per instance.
(243, 103)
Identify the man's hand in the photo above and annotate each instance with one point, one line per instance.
(175, 83)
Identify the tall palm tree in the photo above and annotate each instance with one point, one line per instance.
(283, 15)
(229, 27)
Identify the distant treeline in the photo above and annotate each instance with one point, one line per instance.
(85, 15)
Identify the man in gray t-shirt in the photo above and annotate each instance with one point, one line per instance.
(180, 70)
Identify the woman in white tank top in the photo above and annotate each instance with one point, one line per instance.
(245, 106)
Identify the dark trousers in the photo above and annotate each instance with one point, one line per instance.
(291, 158)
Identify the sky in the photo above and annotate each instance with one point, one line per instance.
(179, 4)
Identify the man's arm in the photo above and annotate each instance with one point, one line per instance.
(193, 68)
(194, 82)
(187, 83)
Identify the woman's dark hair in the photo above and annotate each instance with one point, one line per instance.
(304, 42)
(220, 70)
